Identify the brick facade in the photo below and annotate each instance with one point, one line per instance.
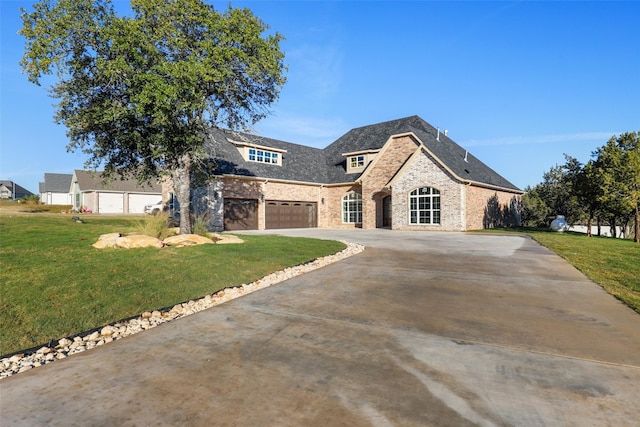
(424, 172)
(488, 208)
(404, 154)
(377, 177)
(333, 206)
(462, 206)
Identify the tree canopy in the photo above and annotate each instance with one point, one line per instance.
(606, 187)
(138, 93)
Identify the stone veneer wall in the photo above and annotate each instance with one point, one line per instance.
(394, 154)
(208, 202)
(424, 172)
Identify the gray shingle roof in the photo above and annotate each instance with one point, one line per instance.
(57, 182)
(19, 190)
(299, 162)
(93, 181)
(328, 166)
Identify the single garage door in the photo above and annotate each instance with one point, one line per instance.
(240, 214)
(137, 202)
(110, 203)
(290, 215)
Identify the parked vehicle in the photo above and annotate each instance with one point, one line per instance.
(153, 209)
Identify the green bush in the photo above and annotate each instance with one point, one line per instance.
(33, 199)
(155, 226)
(201, 225)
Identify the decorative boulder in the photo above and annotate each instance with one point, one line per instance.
(107, 241)
(138, 241)
(223, 239)
(182, 240)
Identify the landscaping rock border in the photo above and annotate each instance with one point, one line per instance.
(132, 241)
(65, 347)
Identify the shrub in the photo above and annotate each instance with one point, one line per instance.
(155, 226)
(201, 225)
(33, 199)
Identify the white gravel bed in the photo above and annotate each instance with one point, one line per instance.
(147, 320)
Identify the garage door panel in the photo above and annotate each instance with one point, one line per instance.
(111, 203)
(240, 214)
(137, 202)
(280, 214)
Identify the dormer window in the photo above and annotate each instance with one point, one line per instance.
(357, 162)
(263, 156)
(259, 153)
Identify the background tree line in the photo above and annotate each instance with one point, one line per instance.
(604, 191)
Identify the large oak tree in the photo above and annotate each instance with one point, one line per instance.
(137, 92)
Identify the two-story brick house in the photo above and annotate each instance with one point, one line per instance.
(402, 174)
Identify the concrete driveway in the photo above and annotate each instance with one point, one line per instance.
(442, 329)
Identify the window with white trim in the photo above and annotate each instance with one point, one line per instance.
(352, 208)
(424, 206)
(357, 161)
(262, 156)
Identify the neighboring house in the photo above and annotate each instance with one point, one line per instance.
(13, 191)
(92, 193)
(402, 174)
(56, 189)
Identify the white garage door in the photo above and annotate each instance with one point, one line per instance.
(58, 198)
(137, 202)
(110, 203)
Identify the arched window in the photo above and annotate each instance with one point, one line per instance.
(424, 206)
(352, 208)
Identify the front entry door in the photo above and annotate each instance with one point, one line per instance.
(386, 211)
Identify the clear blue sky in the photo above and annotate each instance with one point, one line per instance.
(516, 83)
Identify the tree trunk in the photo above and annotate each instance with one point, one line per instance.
(613, 227)
(636, 227)
(589, 225)
(181, 177)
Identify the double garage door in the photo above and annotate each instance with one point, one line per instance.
(241, 214)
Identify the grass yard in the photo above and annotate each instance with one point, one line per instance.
(614, 264)
(55, 284)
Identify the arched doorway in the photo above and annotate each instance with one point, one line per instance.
(386, 211)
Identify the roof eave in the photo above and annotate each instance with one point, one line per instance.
(259, 178)
(492, 186)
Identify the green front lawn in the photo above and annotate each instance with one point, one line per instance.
(55, 284)
(614, 264)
